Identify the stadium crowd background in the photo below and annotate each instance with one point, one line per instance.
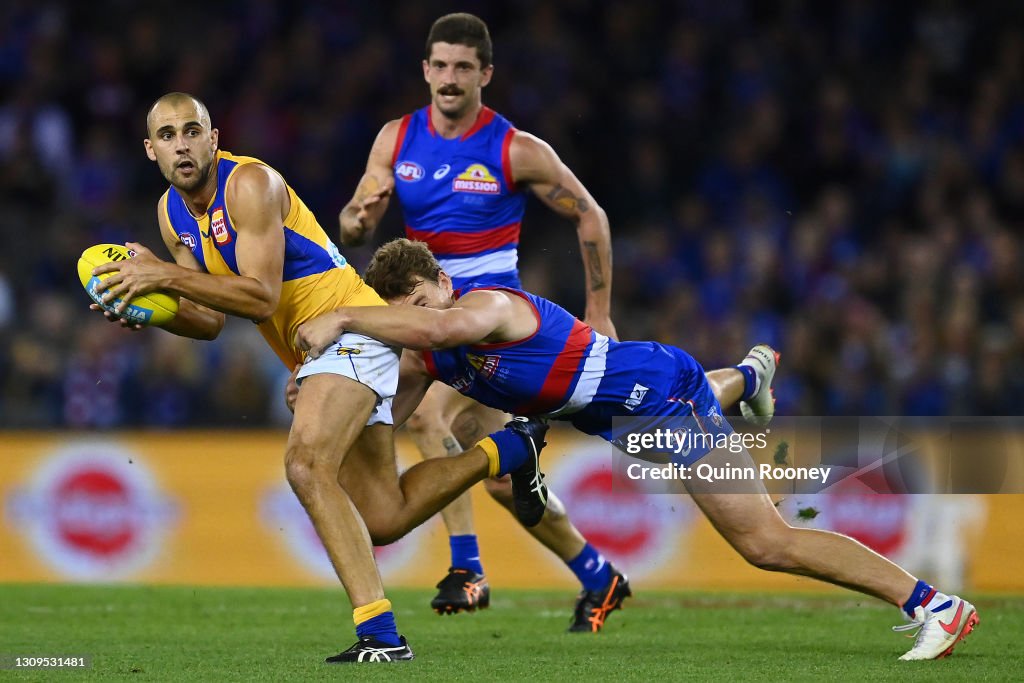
(844, 180)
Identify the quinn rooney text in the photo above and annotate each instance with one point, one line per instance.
(710, 473)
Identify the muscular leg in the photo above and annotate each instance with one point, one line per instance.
(555, 531)
(727, 385)
(330, 412)
(391, 505)
(430, 429)
(747, 519)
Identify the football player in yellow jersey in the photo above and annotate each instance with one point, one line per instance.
(241, 248)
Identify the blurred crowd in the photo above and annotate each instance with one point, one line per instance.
(844, 180)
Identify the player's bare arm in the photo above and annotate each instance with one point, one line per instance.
(536, 165)
(257, 201)
(193, 320)
(478, 317)
(362, 214)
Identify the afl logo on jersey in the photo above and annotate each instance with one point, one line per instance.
(409, 171)
(476, 179)
(188, 239)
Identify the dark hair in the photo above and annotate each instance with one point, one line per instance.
(396, 265)
(462, 29)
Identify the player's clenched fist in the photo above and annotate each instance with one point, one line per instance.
(313, 336)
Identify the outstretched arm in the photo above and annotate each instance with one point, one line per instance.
(485, 316)
(535, 164)
(362, 214)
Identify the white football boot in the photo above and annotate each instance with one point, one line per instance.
(938, 632)
(760, 408)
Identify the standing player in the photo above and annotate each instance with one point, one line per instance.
(462, 173)
(516, 351)
(244, 244)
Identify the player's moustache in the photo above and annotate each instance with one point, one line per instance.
(449, 90)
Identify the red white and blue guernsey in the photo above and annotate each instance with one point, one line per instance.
(567, 371)
(459, 197)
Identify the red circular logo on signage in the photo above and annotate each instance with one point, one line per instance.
(635, 529)
(92, 511)
(852, 507)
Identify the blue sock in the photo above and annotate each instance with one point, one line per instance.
(591, 568)
(927, 597)
(749, 381)
(512, 451)
(382, 627)
(466, 553)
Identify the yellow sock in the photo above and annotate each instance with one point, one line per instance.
(490, 448)
(367, 612)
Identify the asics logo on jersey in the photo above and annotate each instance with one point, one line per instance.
(442, 171)
(348, 351)
(409, 171)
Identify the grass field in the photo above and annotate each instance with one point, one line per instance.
(211, 634)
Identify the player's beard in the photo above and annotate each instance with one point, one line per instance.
(198, 179)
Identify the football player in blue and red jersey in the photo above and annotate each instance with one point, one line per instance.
(462, 173)
(518, 352)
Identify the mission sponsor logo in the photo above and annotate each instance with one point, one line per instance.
(476, 179)
(92, 511)
(409, 171)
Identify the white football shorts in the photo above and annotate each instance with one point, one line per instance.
(365, 360)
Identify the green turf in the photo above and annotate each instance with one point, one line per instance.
(210, 634)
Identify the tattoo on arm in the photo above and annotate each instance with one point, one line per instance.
(450, 445)
(567, 200)
(594, 266)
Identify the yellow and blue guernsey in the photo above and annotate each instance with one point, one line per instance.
(317, 278)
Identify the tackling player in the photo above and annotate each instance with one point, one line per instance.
(553, 365)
